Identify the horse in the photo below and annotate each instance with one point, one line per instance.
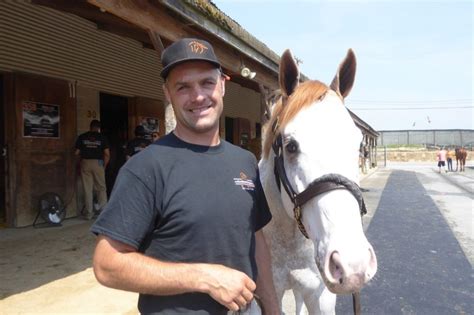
(461, 156)
(316, 239)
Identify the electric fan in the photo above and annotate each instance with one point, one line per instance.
(51, 208)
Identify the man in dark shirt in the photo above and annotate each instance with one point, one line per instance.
(183, 226)
(138, 143)
(93, 149)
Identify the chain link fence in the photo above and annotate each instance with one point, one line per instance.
(428, 138)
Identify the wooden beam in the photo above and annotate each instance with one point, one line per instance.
(155, 18)
(156, 40)
(143, 14)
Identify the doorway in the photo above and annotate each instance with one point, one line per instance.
(114, 125)
(3, 155)
(229, 129)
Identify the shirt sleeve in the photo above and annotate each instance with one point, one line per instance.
(263, 215)
(130, 214)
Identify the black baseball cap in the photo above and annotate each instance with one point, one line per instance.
(187, 49)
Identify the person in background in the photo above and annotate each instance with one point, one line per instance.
(441, 157)
(93, 149)
(362, 164)
(138, 143)
(366, 158)
(155, 136)
(449, 157)
(183, 226)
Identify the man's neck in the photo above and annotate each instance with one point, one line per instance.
(210, 138)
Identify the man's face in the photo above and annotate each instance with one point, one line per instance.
(196, 90)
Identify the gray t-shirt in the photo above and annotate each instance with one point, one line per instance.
(182, 202)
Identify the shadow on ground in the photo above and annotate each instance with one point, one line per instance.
(33, 257)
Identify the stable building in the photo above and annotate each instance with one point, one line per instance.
(64, 63)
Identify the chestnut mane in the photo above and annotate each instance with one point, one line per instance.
(304, 95)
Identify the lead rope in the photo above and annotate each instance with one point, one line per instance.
(356, 303)
(249, 310)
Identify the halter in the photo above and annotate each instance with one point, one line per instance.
(319, 186)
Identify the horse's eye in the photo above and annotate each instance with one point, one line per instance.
(292, 146)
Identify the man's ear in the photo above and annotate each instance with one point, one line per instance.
(223, 86)
(167, 95)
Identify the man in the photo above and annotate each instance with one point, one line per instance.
(362, 158)
(183, 225)
(138, 143)
(155, 136)
(441, 157)
(450, 155)
(93, 149)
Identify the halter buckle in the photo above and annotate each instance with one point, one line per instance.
(297, 214)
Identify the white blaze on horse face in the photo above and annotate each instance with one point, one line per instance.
(328, 142)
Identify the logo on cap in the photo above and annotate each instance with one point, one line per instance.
(197, 47)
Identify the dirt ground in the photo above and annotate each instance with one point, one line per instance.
(47, 270)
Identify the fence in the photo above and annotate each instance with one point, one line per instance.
(451, 137)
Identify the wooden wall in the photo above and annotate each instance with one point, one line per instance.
(36, 164)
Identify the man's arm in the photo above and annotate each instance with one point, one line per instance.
(120, 266)
(106, 157)
(265, 287)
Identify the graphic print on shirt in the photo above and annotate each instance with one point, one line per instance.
(244, 182)
(91, 143)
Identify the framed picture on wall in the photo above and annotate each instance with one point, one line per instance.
(40, 120)
(151, 124)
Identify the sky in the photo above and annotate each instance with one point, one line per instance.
(414, 58)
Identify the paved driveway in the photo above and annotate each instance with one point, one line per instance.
(422, 234)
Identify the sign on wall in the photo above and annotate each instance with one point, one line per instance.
(40, 120)
(151, 124)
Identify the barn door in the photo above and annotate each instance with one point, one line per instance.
(40, 130)
(3, 152)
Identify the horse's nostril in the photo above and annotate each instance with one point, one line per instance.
(335, 268)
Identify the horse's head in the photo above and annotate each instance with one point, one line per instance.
(312, 144)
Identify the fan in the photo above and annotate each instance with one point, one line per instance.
(51, 208)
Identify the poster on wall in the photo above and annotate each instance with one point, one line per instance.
(40, 120)
(151, 124)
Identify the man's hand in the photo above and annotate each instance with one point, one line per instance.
(120, 266)
(229, 287)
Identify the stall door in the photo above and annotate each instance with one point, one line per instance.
(40, 131)
(3, 175)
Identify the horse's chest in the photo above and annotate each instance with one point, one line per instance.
(289, 249)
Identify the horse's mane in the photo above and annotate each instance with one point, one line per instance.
(304, 95)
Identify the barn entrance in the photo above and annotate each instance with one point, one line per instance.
(114, 125)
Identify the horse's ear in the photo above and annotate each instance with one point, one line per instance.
(289, 75)
(344, 79)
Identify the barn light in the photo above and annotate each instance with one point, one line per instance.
(247, 73)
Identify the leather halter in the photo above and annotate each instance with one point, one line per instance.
(319, 186)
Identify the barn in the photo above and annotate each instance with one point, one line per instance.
(64, 63)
